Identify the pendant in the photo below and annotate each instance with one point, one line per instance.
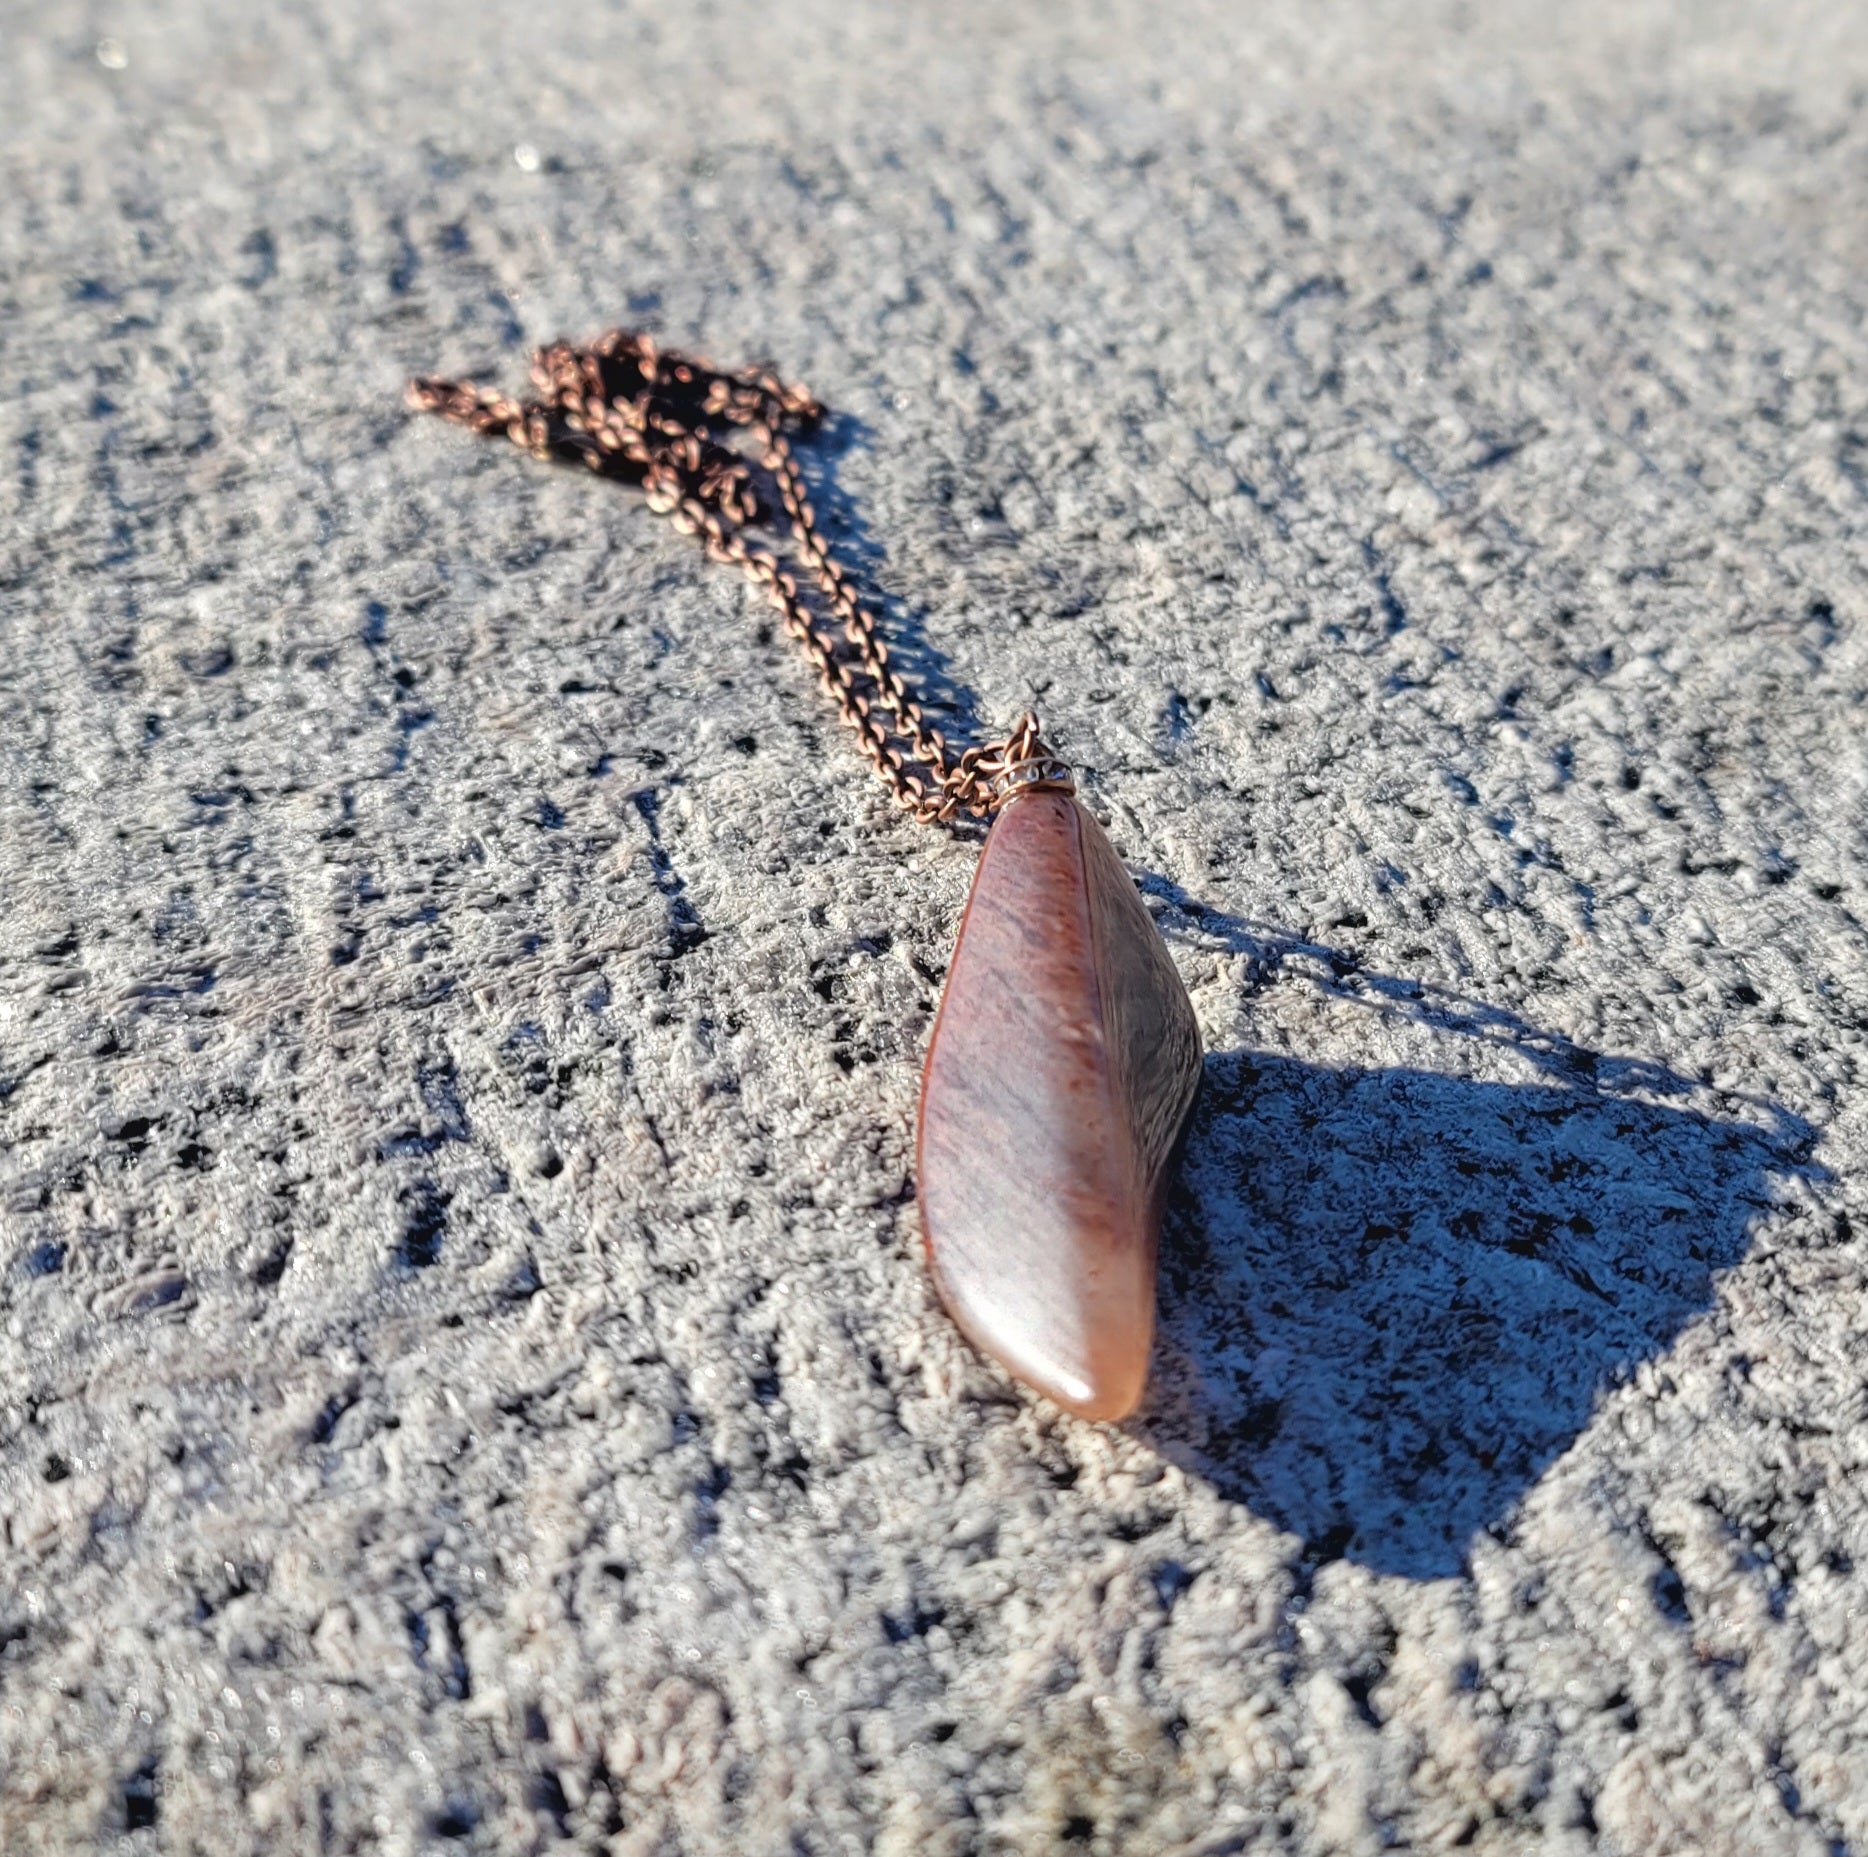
(1064, 1062)
(1065, 1055)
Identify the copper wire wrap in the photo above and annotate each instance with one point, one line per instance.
(631, 411)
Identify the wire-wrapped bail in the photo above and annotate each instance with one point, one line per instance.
(1025, 763)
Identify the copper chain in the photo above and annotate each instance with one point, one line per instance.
(629, 410)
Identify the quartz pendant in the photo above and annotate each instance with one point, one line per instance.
(1064, 1061)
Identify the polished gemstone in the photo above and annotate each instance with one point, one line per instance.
(1063, 1064)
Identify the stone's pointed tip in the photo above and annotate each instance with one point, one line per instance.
(1061, 1070)
(1107, 1371)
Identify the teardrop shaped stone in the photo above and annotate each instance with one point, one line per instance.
(1064, 1061)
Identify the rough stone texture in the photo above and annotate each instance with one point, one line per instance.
(467, 1378)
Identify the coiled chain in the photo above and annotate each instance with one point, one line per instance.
(629, 410)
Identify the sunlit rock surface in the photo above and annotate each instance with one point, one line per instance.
(468, 1375)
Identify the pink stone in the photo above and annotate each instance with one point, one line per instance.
(1064, 1062)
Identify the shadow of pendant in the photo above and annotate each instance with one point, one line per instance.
(1064, 1062)
(1391, 1299)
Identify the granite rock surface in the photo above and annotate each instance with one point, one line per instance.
(467, 1377)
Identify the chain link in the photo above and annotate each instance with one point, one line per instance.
(634, 412)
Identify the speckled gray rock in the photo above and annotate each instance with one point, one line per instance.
(467, 1379)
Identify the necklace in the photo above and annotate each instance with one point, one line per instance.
(1065, 1056)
